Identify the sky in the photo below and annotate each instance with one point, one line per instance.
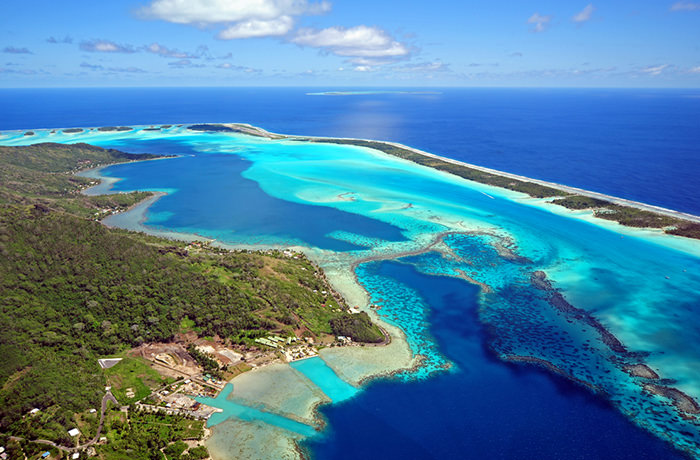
(350, 43)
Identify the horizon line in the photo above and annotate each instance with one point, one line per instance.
(336, 87)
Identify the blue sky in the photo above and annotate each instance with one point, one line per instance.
(616, 43)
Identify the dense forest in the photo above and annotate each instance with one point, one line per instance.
(358, 327)
(42, 175)
(73, 291)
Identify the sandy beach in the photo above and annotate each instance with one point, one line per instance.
(280, 389)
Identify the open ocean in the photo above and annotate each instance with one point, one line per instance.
(637, 144)
(640, 144)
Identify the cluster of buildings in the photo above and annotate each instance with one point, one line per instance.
(275, 341)
(291, 347)
(105, 212)
(177, 399)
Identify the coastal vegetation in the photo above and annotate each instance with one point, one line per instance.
(211, 128)
(235, 128)
(631, 217)
(625, 215)
(140, 435)
(42, 175)
(206, 361)
(530, 188)
(74, 291)
(115, 128)
(358, 327)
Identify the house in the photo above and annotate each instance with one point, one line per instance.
(74, 432)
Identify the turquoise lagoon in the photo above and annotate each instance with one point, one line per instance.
(231, 409)
(350, 207)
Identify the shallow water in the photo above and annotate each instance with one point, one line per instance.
(232, 409)
(481, 408)
(316, 370)
(358, 204)
(640, 144)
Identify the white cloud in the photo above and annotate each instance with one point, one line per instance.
(654, 70)
(258, 28)
(695, 69)
(685, 6)
(584, 15)
(183, 63)
(105, 46)
(237, 68)
(161, 50)
(223, 11)
(541, 22)
(355, 42)
(425, 67)
(243, 18)
(100, 67)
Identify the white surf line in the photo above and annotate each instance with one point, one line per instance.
(601, 196)
(554, 185)
(565, 188)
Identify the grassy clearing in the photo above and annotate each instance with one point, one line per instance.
(136, 374)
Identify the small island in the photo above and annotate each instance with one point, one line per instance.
(115, 128)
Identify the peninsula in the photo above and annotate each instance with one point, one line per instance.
(86, 307)
(626, 212)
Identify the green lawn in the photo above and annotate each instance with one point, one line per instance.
(135, 373)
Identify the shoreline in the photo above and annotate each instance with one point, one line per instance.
(646, 216)
(107, 182)
(179, 236)
(254, 131)
(553, 196)
(565, 188)
(575, 190)
(379, 360)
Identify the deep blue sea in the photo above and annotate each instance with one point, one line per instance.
(640, 144)
(484, 410)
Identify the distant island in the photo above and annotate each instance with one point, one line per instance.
(370, 93)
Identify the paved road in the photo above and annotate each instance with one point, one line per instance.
(107, 397)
